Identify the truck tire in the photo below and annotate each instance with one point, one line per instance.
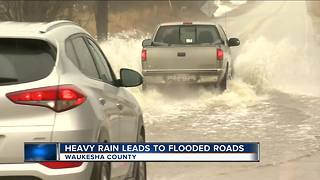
(223, 83)
(144, 87)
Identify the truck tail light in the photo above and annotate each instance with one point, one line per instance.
(57, 98)
(61, 165)
(144, 55)
(219, 54)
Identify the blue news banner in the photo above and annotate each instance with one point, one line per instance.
(214, 152)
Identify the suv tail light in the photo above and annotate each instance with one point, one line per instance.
(61, 165)
(219, 54)
(57, 98)
(144, 55)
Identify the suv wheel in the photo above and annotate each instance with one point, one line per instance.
(101, 171)
(141, 167)
(105, 172)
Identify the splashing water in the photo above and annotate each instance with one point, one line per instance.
(282, 65)
(122, 52)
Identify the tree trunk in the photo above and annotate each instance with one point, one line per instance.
(101, 16)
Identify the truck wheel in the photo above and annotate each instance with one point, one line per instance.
(223, 83)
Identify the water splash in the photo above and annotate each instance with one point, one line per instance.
(282, 65)
(125, 52)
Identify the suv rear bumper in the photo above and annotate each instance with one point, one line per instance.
(38, 172)
(192, 76)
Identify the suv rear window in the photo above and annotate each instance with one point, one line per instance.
(188, 34)
(25, 60)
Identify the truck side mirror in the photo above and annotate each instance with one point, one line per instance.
(233, 42)
(147, 42)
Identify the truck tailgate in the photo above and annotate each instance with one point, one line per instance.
(182, 57)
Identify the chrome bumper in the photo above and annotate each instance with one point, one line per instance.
(177, 71)
(164, 76)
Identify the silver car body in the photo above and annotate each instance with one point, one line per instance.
(194, 63)
(109, 113)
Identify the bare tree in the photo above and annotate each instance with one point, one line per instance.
(101, 15)
(45, 11)
(30, 11)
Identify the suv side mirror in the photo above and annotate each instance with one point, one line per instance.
(130, 78)
(233, 42)
(147, 42)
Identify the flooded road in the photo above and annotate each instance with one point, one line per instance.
(273, 99)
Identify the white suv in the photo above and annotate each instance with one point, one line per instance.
(56, 85)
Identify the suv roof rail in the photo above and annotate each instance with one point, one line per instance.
(54, 24)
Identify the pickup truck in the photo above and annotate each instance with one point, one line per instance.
(187, 53)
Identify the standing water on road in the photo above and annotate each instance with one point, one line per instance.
(273, 98)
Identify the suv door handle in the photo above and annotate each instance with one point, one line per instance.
(102, 101)
(119, 106)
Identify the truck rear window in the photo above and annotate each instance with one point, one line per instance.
(25, 60)
(188, 34)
